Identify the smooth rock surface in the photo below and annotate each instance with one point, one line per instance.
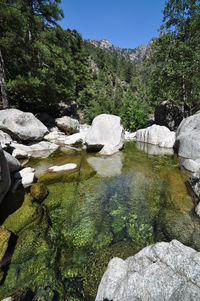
(22, 126)
(41, 149)
(157, 135)
(161, 272)
(75, 139)
(26, 175)
(65, 167)
(191, 165)
(188, 137)
(106, 134)
(169, 114)
(5, 180)
(20, 154)
(13, 163)
(68, 125)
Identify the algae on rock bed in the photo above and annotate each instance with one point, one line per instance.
(65, 243)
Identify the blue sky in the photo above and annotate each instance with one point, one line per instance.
(125, 23)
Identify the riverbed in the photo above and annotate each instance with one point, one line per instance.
(106, 207)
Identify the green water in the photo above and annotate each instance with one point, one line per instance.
(106, 207)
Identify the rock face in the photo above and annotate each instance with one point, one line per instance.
(157, 135)
(5, 180)
(169, 115)
(164, 271)
(105, 135)
(41, 149)
(194, 183)
(188, 137)
(13, 163)
(5, 139)
(191, 165)
(22, 126)
(68, 125)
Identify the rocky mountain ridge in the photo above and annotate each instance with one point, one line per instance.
(134, 55)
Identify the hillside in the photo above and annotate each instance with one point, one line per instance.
(135, 55)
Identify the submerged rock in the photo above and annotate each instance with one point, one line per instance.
(188, 137)
(106, 134)
(169, 114)
(5, 180)
(68, 125)
(22, 126)
(4, 239)
(39, 191)
(158, 135)
(164, 271)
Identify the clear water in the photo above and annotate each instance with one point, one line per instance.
(106, 207)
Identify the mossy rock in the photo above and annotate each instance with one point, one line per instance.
(39, 192)
(4, 240)
(176, 225)
(21, 218)
(98, 263)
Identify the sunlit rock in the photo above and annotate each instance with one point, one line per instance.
(164, 271)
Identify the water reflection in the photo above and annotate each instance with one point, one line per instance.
(107, 166)
(153, 150)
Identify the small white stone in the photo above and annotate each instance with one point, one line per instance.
(65, 167)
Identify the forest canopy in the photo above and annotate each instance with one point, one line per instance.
(43, 65)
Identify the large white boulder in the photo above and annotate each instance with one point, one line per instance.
(5, 180)
(164, 271)
(22, 126)
(157, 135)
(68, 125)
(188, 137)
(106, 134)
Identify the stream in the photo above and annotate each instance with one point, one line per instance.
(106, 207)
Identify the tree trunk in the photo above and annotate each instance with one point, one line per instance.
(4, 96)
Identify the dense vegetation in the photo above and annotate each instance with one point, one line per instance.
(42, 65)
